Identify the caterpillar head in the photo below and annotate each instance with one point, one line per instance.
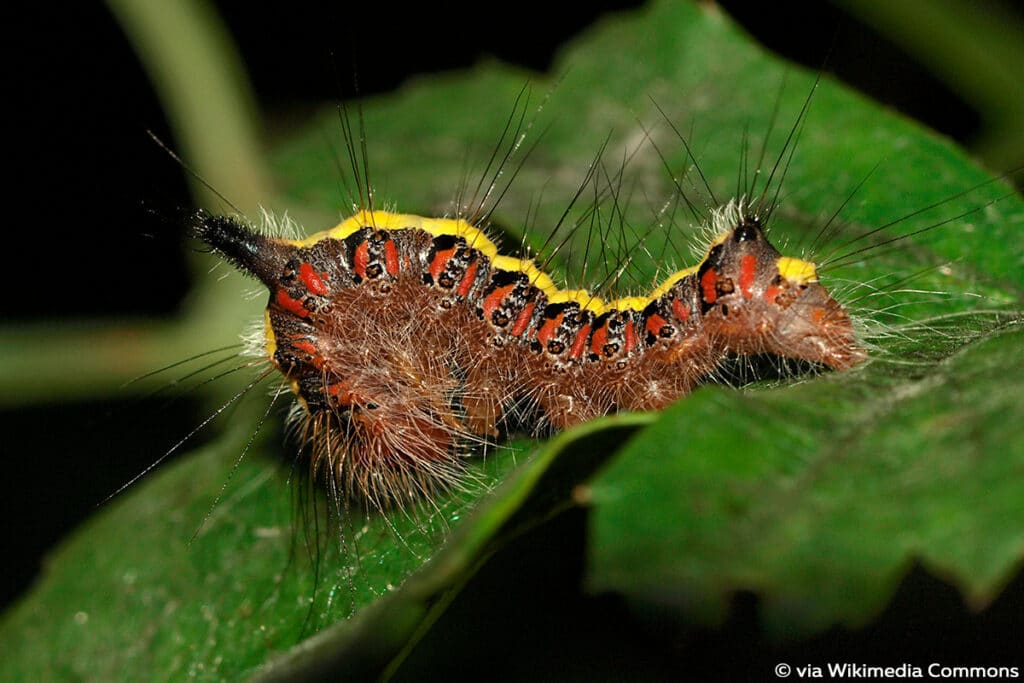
(755, 300)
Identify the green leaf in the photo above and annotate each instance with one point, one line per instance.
(818, 497)
(827, 487)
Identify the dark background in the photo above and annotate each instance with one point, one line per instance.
(96, 205)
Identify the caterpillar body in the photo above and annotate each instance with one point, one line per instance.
(406, 339)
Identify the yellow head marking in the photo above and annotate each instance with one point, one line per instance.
(797, 271)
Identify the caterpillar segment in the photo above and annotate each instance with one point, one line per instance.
(406, 339)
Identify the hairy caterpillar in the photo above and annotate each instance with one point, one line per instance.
(412, 333)
(245, 570)
(406, 338)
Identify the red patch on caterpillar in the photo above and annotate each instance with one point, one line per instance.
(655, 324)
(313, 281)
(708, 284)
(599, 341)
(307, 346)
(748, 270)
(390, 257)
(579, 344)
(360, 260)
(630, 336)
(293, 306)
(495, 299)
(548, 329)
(440, 262)
(523, 320)
(680, 311)
(468, 279)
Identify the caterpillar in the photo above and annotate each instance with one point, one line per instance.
(389, 298)
(222, 593)
(405, 339)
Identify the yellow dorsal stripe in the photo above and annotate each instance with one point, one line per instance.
(385, 220)
(633, 303)
(675, 277)
(586, 300)
(790, 268)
